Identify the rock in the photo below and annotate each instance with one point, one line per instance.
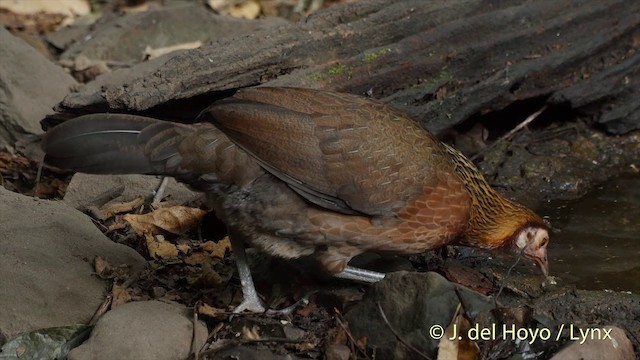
(143, 330)
(413, 303)
(616, 346)
(31, 85)
(588, 308)
(45, 262)
(125, 38)
(85, 189)
(247, 353)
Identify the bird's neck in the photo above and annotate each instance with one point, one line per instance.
(493, 219)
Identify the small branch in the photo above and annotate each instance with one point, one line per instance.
(395, 333)
(349, 335)
(519, 127)
(160, 192)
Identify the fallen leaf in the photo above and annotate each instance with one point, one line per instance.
(208, 279)
(159, 248)
(175, 219)
(218, 249)
(120, 296)
(247, 9)
(120, 208)
(212, 312)
(184, 248)
(106, 270)
(460, 348)
(69, 8)
(198, 259)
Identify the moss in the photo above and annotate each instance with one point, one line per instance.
(373, 56)
(339, 69)
(443, 77)
(334, 70)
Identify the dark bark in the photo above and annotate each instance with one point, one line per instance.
(442, 61)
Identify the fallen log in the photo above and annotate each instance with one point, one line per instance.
(441, 61)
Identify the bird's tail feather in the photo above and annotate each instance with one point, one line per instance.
(103, 144)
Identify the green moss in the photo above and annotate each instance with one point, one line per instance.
(443, 77)
(334, 70)
(339, 69)
(373, 56)
(316, 76)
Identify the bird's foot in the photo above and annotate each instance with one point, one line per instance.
(257, 307)
(290, 309)
(253, 305)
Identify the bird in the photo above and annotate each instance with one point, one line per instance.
(300, 172)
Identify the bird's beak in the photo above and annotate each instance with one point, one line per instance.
(539, 256)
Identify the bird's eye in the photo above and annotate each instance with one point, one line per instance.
(544, 242)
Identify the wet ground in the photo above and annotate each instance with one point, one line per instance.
(596, 240)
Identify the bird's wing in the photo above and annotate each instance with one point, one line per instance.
(342, 152)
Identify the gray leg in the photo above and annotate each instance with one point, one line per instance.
(357, 274)
(251, 301)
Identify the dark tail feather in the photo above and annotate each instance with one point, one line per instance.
(100, 144)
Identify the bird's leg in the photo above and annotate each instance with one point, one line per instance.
(357, 274)
(250, 301)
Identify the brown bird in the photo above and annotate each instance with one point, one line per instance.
(298, 172)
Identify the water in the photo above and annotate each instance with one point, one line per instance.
(598, 243)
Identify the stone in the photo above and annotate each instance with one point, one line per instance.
(46, 264)
(143, 330)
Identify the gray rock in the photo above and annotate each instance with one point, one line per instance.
(124, 39)
(84, 189)
(413, 303)
(143, 330)
(614, 345)
(45, 262)
(30, 85)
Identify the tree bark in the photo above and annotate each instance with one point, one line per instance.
(441, 61)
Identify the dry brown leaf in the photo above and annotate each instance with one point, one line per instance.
(101, 266)
(175, 219)
(106, 270)
(212, 312)
(120, 296)
(460, 348)
(208, 279)
(218, 249)
(183, 248)
(159, 248)
(247, 9)
(120, 208)
(199, 259)
(69, 8)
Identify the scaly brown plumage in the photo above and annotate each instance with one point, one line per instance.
(300, 172)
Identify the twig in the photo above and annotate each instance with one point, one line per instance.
(38, 175)
(160, 192)
(194, 351)
(349, 335)
(102, 309)
(227, 343)
(395, 333)
(519, 127)
(504, 280)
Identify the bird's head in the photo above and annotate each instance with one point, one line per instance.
(531, 241)
(513, 228)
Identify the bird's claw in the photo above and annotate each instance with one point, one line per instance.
(289, 309)
(251, 305)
